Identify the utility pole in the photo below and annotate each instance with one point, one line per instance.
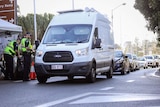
(73, 4)
(112, 15)
(35, 21)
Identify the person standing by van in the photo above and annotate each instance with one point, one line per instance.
(26, 49)
(9, 52)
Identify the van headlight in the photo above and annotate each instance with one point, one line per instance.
(82, 52)
(39, 53)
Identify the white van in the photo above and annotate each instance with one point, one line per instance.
(76, 43)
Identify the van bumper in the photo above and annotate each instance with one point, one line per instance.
(75, 69)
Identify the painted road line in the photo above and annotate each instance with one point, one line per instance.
(154, 74)
(106, 88)
(116, 98)
(130, 80)
(18, 81)
(101, 97)
(52, 103)
(142, 76)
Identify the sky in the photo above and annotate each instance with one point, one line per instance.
(128, 23)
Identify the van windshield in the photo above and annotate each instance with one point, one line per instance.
(77, 33)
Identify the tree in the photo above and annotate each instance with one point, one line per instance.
(27, 23)
(151, 11)
(117, 46)
(136, 48)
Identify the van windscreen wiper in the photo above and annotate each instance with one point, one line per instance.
(82, 41)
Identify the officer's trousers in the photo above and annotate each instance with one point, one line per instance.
(27, 65)
(9, 66)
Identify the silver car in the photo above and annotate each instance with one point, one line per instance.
(142, 62)
(132, 61)
(151, 60)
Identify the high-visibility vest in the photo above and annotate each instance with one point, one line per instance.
(25, 43)
(9, 49)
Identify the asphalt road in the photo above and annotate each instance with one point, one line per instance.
(138, 89)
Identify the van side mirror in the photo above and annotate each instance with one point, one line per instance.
(98, 43)
(96, 32)
(37, 42)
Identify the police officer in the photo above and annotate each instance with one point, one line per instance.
(26, 49)
(9, 52)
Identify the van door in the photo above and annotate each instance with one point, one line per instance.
(105, 52)
(98, 50)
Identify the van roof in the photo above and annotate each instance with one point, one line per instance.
(79, 16)
(68, 11)
(78, 10)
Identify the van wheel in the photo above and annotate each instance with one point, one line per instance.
(92, 75)
(41, 79)
(110, 73)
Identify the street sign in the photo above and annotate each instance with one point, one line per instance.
(7, 10)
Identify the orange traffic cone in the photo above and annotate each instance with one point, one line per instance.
(32, 72)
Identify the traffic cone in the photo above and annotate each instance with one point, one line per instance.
(32, 72)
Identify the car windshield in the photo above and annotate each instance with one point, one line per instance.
(118, 54)
(141, 59)
(134, 57)
(148, 57)
(156, 57)
(68, 34)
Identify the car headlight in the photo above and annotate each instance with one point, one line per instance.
(82, 52)
(39, 53)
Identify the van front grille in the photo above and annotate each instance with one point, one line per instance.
(58, 56)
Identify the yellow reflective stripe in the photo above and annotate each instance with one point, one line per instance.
(8, 49)
(10, 46)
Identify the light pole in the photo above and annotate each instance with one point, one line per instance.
(35, 21)
(112, 14)
(73, 4)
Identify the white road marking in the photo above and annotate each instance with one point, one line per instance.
(18, 81)
(130, 80)
(153, 74)
(143, 77)
(100, 97)
(116, 98)
(107, 88)
(63, 100)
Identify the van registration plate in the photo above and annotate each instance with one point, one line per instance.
(53, 67)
